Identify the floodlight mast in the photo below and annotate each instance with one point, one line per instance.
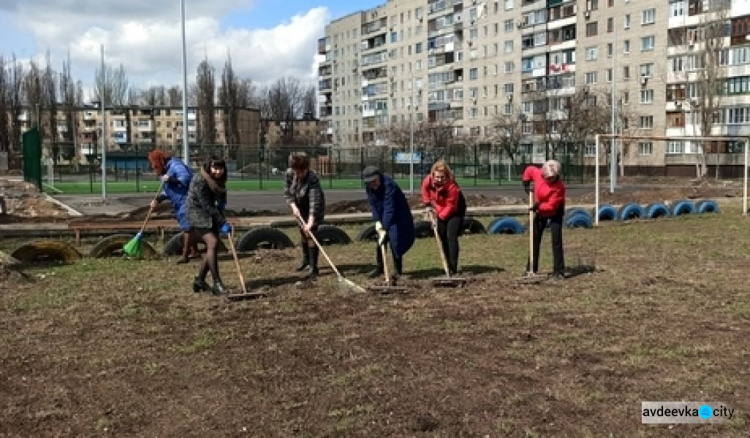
(746, 145)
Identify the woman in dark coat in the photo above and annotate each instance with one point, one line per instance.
(392, 215)
(305, 197)
(207, 192)
(175, 177)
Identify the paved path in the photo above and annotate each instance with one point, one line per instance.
(273, 201)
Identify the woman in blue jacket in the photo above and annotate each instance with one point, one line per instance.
(176, 177)
(393, 220)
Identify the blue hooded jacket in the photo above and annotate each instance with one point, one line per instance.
(176, 189)
(389, 206)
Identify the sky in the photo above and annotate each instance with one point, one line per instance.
(267, 39)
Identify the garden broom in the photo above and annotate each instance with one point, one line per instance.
(134, 248)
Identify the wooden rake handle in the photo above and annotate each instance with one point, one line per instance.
(320, 248)
(531, 234)
(433, 219)
(237, 261)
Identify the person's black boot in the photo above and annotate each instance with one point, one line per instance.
(378, 271)
(313, 270)
(200, 285)
(218, 288)
(305, 256)
(398, 264)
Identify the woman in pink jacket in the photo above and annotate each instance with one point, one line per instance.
(549, 209)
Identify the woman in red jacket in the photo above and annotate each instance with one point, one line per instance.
(549, 207)
(444, 201)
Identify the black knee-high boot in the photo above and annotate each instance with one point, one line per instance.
(305, 256)
(378, 271)
(313, 255)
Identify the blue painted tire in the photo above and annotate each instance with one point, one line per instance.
(631, 211)
(657, 210)
(607, 213)
(707, 206)
(683, 207)
(505, 225)
(579, 220)
(574, 211)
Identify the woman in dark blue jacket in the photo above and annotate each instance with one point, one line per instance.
(392, 215)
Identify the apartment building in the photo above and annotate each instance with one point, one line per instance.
(471, 61)
(139, 127)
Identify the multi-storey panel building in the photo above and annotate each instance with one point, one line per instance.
(471, 61)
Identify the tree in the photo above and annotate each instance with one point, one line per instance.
(16, 102)
(205, 90)
(5, 135)
(228, 99)
(309, 101)
(111, 85)
(49, 105)
(507, 133)
(32, 90)
(174, 96)
(68, 98)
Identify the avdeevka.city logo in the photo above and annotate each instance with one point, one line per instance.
(657, 412)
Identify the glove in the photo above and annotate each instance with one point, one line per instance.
(527, 187)
(382, 234)
(535, 207)
(226, 228)
(429, 213)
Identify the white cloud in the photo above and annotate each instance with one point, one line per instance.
(145, 36)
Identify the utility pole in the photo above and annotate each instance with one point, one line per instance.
(613, 161)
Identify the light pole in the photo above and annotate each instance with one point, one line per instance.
(104, 129)
(613, 161)
(185, 145)
(411, 140)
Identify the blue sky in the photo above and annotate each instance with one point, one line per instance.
(267, 39)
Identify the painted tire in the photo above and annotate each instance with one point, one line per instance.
(683, 207)
(506, 225)
(111, 246)
(46, 251)
(607, 213)
(657, 210)
(631, 211)
(473, 226)
(423, 229)
(368, 234)
(264, 238)
(332, 235)
(707, 206)
(579, 220)
(574, 211)
(173, 246)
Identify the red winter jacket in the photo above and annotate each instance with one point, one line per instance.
(446, 200)
(550, 196)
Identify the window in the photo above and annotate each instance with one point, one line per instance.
(648, 16)
(509, 25)
(591, 29)
(591, 53)
(610, 25)
(590, 150)
(508, 88)
(647, 43)
(473, 74)
(647, 96)
(626, 21)
(508, 5)
(626, 46)
(509, 67)
(625, 99)
(609, 75)
(418, 48)
(645, 148)
(738, 116)
(590, 78)
(646, 122)
(676, 9)
(509, 47)
(647, 70)
(626, 72)
(674, 147)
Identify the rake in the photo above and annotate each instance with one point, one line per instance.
(134, 248)
(390, 284)
(343, 282)
(530, 276)
(245, 294)
(446, 281)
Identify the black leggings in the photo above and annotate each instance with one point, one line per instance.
(556, 226)
(449, 231)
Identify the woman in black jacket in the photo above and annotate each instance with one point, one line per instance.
(206, 194)
(304, 196)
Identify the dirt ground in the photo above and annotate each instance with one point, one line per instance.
(91, 349)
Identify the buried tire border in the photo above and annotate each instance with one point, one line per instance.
(29, 253)
(111, 246)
